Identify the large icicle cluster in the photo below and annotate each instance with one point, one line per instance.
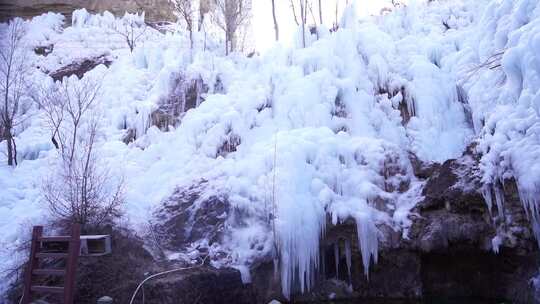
(504, 90)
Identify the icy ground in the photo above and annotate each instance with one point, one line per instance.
(323, 130)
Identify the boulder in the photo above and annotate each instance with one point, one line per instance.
(79, 68)
(448, 252)
(199, 285)
(156, 10)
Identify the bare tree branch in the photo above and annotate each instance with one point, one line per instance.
(230, 16)
(187, 9)
(276, 27)
(131, 30)
(13, 84)
(80, 190)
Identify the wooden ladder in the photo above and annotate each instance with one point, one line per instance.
(39, 251)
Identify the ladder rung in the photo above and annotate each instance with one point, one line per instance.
(55, 239)
(56, 255)
(53, 272)
(47, 289)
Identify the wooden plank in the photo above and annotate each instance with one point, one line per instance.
(62, 238)
(53, 255)
(71, 266)
(52, 272)
(95, 245)
(47, 289)
(94, 237)
(32, 264)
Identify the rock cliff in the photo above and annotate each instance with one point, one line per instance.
(155, 10)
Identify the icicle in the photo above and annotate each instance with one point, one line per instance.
(198, 87)
(323, 263)
(368, 240)
(530, 202)
(336, 257)
(183, 100)
(499, 199)
(410, 106)
(486, 192)
(348, 258)
(496, 244)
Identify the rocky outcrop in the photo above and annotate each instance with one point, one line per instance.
(185, 94)
(155, 10)
(457, 238)
(455, 248)
(200, 285)
(449, 251)
(79, 68)
(191, 218)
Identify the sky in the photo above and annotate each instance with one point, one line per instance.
(264, 25)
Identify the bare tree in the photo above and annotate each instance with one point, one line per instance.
(75, 98)
(205, 7)
(187, 10)
(131, 29)
(80, 191)
(276, 28)
(13, 84)
(293, 8)
(230, 15)
(50, 100)
(304, 5)
(310, 7)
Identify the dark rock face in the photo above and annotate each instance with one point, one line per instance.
(116, 275)
(203, 285)
(472, 273)
(155, 10)
(188, 216)
(230, 144)
(44, 50)
(448, 252)
(453, 211)
(80, 68)
(185, 95)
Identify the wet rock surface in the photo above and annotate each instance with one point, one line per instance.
(156, 10)
(44, 50)
(447, 253)
(79, 68)
(203, 285)
(186, 94)
(189, 216)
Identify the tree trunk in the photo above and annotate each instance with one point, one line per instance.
(10, 149)
(303, 20)
(190, 29)
(203, 9)
(294, 13)
(276, 28)
(14, 151)
(320, 12)
(227, 43)
(201, 21)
